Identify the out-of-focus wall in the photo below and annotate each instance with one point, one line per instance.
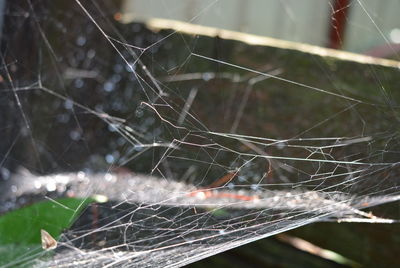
(369, 23)
(285, 19)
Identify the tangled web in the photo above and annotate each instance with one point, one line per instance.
(238, 142)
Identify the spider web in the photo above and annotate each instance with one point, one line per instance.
(238, 143)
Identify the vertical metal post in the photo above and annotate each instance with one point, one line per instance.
(338, 23)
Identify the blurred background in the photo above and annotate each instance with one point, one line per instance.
(363, 26)
(72, 56)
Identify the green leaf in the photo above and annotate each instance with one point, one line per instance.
(20, 229)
